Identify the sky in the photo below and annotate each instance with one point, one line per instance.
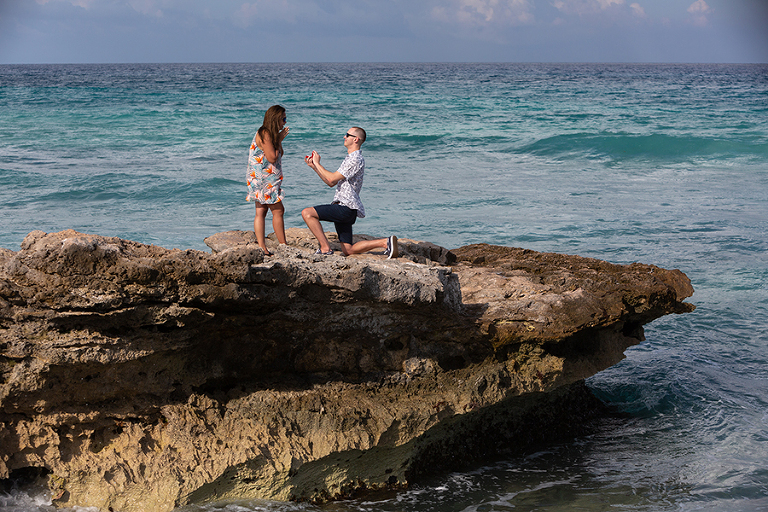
(161, 31)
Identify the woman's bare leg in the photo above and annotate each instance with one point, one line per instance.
(258, 226)
(278, 223)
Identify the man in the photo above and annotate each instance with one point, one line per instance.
(346, 206)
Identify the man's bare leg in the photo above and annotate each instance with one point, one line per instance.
(312, 221)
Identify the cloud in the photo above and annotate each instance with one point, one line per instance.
(469, 9)
(610, 12)
(585, 7)
(699, 11)
(605, 4)
(85, 4)
(483, 13)
(699, 6)
(146, 7)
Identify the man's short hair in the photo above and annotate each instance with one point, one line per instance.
(360, 133)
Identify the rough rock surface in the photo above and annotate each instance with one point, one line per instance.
(140, 378)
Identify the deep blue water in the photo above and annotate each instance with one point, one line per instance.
(662, 164)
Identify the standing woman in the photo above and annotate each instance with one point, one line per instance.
(265, 178)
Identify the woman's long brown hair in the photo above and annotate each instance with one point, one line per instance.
(272, 119)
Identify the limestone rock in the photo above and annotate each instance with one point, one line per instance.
(141, 378)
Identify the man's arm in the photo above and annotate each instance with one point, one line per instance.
(330, 178)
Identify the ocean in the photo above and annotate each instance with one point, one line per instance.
(661, 164)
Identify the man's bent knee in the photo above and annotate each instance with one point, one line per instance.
(308, 213)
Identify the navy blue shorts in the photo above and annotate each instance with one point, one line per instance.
(342, 217)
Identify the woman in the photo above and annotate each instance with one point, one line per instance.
(265, 177)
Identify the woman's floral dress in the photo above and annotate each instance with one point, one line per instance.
(264, 179)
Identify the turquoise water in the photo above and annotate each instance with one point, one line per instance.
(662, 164)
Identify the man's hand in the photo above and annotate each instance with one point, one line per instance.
(313, 160)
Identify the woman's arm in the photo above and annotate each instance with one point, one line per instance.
(282, 134)
(269, 149)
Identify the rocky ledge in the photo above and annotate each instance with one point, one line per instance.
(139, 378)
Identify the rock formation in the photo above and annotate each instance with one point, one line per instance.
(134, 377)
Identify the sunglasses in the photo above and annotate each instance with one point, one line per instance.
(349, 135)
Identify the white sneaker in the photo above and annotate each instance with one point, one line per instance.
(391, 247)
